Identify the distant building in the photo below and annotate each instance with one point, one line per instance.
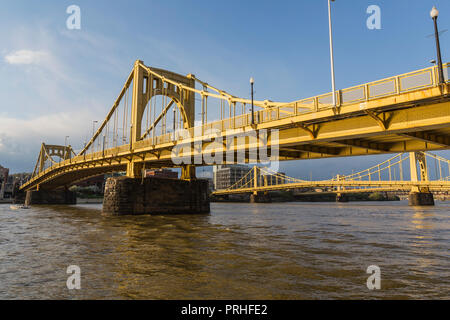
(19, 178)
(4, 172)
(98, 182)
(11, 182)
(224, 176)
(161, 173)
(210, 183)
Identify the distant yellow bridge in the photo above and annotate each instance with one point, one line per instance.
(386, 176)
(155, 113)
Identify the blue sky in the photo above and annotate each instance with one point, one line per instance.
(74, 76)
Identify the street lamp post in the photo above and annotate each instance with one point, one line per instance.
(174, 120)
(65, 146)
(93, 126)
(434, 15)
(333, 85)
(104, 142)
(252, 82)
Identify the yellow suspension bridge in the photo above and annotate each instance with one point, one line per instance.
(153, 119)
(388, 175)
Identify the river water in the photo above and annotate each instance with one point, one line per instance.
(239, 251)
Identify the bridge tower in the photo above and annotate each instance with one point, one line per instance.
(135, 194)
(259, 197)
(419, 196)
(48, 195)
(340, 197)
(145, 87)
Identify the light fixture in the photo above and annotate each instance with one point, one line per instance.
(434, 13)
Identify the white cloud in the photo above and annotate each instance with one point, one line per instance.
(20, 139)
(26, 57)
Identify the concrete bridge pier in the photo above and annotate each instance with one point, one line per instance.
(341, 197)
(419, 196)
(421, 199)
(49, 197)
(137, 196)
(260, 197)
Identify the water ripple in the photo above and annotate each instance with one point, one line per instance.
(239, 251)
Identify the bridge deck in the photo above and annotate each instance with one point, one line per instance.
(352, 186)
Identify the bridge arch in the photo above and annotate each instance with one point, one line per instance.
(151, 83)
(48, 152)
(158, 108)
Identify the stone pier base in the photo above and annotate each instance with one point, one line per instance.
(421, 199)
(50, 197)
(128, 196)
(341, 197)
(260, 198)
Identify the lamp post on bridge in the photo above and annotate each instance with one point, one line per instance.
(65, 146)
(252, 82)
(434, 15)
(93, 126)
(333, 84)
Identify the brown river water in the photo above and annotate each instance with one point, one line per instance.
(239, 251)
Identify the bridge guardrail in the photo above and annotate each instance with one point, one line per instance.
(411, 81)
(373, 90)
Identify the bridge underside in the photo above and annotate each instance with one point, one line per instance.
(64, 179)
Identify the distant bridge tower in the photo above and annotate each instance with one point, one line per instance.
(340, 197)
(258, 181)
(419, 196)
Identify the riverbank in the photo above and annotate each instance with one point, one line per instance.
(310, 197)
(89, 200)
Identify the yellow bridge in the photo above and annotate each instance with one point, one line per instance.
(152, 125)
(388, 175)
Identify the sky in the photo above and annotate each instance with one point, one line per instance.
(55, 81)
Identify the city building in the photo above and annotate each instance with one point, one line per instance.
(97, 182)
(9, 183)
(4, 172)
(161, 173)
(224, 176)
(206, 175)
(19, 178)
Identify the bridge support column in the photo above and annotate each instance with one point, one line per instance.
(419, 196)
(134, 170)
(50, 197)
(421, 199)
(260, 197)
(341, 197)
(129, 196)
(188, 172)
